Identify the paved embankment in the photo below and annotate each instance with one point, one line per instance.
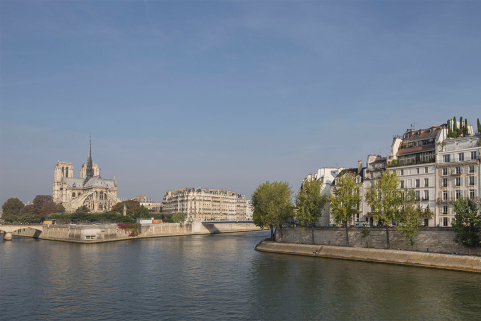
(435, 260)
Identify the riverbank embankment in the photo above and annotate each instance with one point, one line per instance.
(100, 233)
(434, 260)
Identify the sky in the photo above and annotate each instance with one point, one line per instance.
(224, 94)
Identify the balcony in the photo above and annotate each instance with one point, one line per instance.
(457, 159)
(407, 162)
(442, 200)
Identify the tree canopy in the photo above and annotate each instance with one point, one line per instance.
(178, 217)
(13, 206)
(409, 216)
(141, 212)
(467, 222)
(130, 205)
(344, 201)
(272, 205)
(385, 200)
(310, 202)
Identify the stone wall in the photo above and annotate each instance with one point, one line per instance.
(445, 261)
(436, 240)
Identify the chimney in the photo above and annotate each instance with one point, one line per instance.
(359, 166)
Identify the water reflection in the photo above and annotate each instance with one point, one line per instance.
(217, 277)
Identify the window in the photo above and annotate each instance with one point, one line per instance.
(402, 171)
(445, 209)
(402, 184)
(426, 222)
(445, 171)
(372, 175)
(461, 157)
(426, 170)
(458, 181)
(446, 158)
(471, 181)
(73, 194)
(458, 194)
(471, 169)
(418, 183)
(418, 195)
(458, 170)
(426, 182)
(445, 221)
(417, 170)
(426, 196)
(473, 155)
(472, 194)
(445, 182)
(445, 196)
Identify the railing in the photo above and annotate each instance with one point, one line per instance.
(453, 199)
(450, 147)
(412, 162)
(456, 171)
(457, 159)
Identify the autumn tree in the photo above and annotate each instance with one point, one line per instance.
(39, 201)
(385, 200)
(344, 201)
(272, 205)
(467, 223)
(131, 206)
(310, 203)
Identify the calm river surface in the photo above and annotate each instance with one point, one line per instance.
(218, 277)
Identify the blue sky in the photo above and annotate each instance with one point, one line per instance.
(224, 94)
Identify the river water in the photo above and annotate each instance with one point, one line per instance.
(218, 277)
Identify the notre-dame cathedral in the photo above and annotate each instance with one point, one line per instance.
(90, 189)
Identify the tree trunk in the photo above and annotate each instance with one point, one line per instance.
(387, 237)
(347, 235)
(272, 233)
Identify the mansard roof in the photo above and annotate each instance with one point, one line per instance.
(421, 133)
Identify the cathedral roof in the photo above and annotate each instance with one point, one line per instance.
(75, 182)
(98, 181)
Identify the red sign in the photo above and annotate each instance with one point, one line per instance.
(28, 226)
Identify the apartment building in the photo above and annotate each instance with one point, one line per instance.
(206, 204)
(458, 174)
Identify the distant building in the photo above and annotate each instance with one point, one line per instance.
(206, 204)
(148, 203)
(249, 211)
(89, 190)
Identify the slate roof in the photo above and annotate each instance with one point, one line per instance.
(354, 171)
(75, 182)
(98, 181)
(424, 133)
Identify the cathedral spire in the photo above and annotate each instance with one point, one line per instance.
(90, 170)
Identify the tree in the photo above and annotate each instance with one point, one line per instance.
(178, 217)
(39, 201)
(272, 205)
(409, 216)
(13, 206)
(27, 209)
(47, 208)
(141, 212)
(310, 203)
(29, 218)
(60, 208)
(82, 209)
(479, 126)
(344, 201)
(467, 223)
(385, 200)
(131, 206)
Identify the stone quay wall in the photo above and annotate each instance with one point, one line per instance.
(96, 233)
(436, 240)
(435, 260)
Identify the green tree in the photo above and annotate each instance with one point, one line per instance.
(310, 203)
(467, 223)
(344, 201)
(465, 128)
(272, 205)
(29, 218)
(47, 208)
(455, 128)
(131, 206)
(178, 217)
(13, 206)
(141, 212)
(479, 126)
(409, 216)
(60, 208)
(82, 209)
(385, 200)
